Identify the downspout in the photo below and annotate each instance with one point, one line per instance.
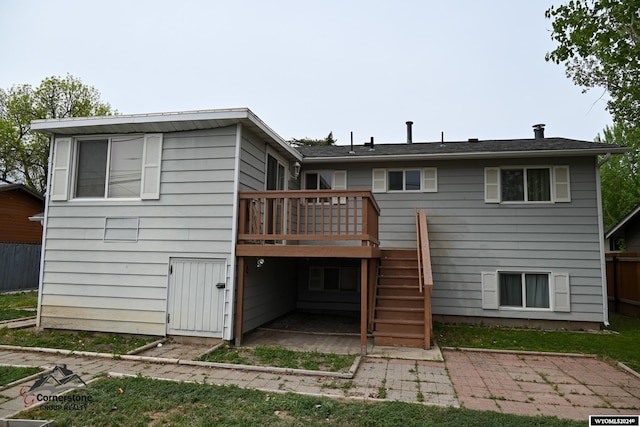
(234, 235)
(603, 262)
(47, 191)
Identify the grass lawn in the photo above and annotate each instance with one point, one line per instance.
(9, 374)
(76, 341)
(619, 342)
(280, 357)
(145, 402)
(12, 305)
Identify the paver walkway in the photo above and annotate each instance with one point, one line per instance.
(535, 384)
(528, 384)
(402, 380)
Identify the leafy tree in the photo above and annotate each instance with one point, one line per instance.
(599, 44)
(620, 176)
(307, 142)
(23, 153)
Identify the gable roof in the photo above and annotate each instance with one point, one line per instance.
(533, 147)
(627, 220)
(166, 122)
(23, 188)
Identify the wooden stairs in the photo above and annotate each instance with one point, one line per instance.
(402, 305)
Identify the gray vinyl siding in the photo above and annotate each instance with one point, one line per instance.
(89, 284)
(252, 163)
(270, 291)
(468, 236)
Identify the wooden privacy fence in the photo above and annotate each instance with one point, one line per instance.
(19, 266)
(623, 283)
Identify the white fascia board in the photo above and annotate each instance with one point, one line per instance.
(622, 222)
(277, 138)
(51, 125)
(463, 156)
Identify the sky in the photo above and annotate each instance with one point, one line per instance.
(467, 68)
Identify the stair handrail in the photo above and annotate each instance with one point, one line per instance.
(424, 256)
(418, 249)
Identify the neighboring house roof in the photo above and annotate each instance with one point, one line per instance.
(533, 147)
(617, 229)
(165, 122)
(20, 187)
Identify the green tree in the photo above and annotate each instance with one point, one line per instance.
(307, 142)
(23, 153)
(599, 44)
(620, 176)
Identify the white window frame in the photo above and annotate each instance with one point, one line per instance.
(148, 166)
(281, 161)
(428, 180)
(336, 175)
(493, 184)
(559, 291)
(523, 287)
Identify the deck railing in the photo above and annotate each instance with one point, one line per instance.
(314, 217)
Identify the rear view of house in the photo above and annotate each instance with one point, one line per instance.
(209, 224)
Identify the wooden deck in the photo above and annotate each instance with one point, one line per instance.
(323, 224)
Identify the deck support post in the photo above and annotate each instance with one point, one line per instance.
(239, 300)
(364, 287)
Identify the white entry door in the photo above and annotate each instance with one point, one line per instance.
(195, 304)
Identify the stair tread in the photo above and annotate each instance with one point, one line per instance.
(399, 321)
(397, 335)
(401, 297)
(415, 310)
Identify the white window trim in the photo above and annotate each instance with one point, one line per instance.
(271, 152)
(554, 183)
(524, 291)
(334, 174)
(559, 291)
(380, 180)
(73, 169)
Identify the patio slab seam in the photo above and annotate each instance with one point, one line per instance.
(523, 352)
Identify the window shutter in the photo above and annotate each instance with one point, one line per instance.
(562, 294)
(60, 173)
(492, 185)
(561, 182)
(151, 160)
(339, 183)
(339, 180)
(379, 180)
(489, 290)
(430, 180)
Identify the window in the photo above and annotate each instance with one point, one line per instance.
(107, 167)
(339, 279)
(425, 179)
(524, 290)
(526, 185)
(318, 180)
(326, 180)
(404, 180)
(538, 184)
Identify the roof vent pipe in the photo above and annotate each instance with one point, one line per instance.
(371, 147)
(409, 132)
(538, 131)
